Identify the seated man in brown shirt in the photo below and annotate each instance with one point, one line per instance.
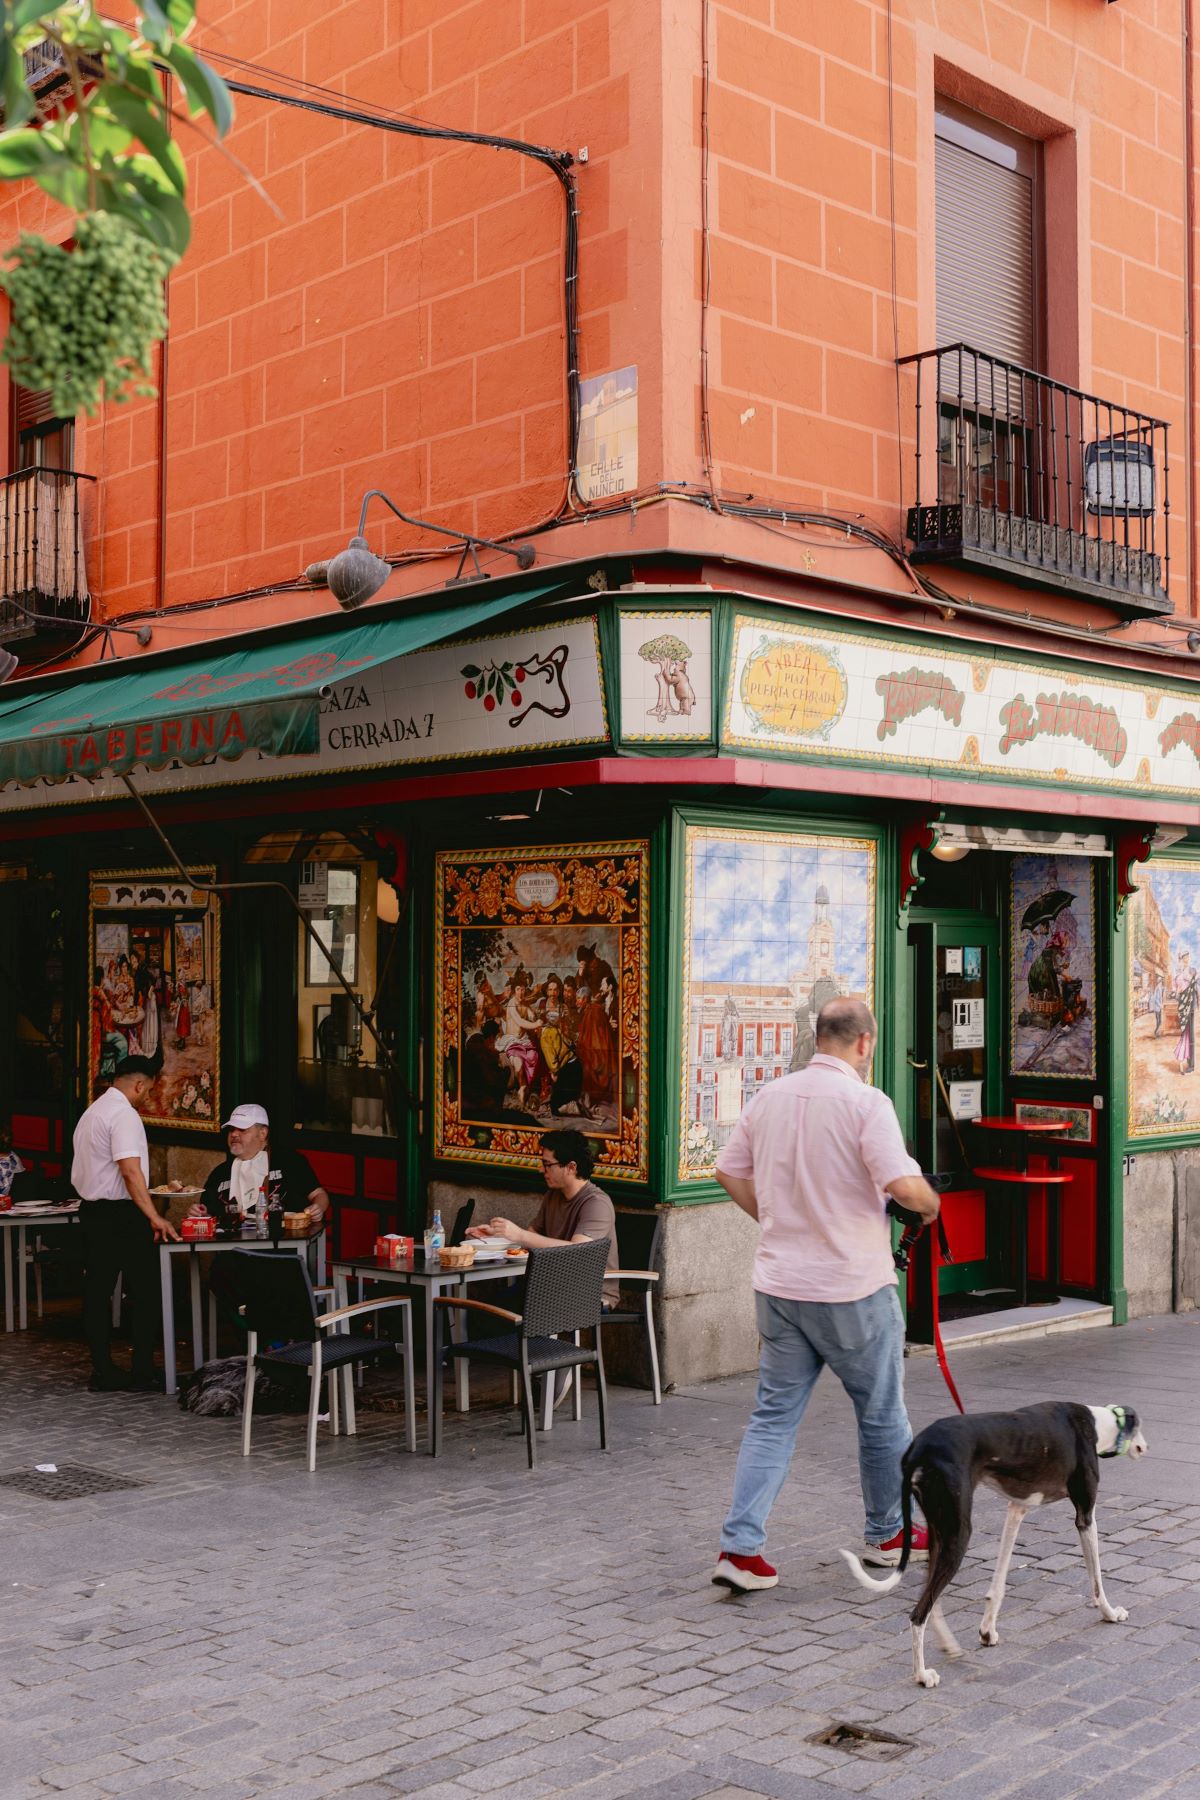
(573, 1209)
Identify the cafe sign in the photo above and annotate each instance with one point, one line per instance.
(830, 694)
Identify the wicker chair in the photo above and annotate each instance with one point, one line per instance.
(561, 1295)
(274, 1295)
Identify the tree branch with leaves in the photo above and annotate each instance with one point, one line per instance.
(86, 318)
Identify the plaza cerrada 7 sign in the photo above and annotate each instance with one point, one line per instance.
(540, 992)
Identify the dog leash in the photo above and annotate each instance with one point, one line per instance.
(939, 1252)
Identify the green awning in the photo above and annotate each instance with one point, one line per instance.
(257, 697)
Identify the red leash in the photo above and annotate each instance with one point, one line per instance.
(937, 1237)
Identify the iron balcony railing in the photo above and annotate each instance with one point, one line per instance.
(1028, 477)
(42, 572)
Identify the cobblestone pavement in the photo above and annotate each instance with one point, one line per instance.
(395, 1625)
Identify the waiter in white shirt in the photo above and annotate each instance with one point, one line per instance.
(120, 1224)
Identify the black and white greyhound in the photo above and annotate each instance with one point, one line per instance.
(1037, 1455)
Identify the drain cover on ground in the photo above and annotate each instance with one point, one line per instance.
(864, 1741)
(69, 1483)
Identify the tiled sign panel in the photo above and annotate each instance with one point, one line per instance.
(776, 924)
(1163, 933)
(833, 695)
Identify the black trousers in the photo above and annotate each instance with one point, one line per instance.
(117, 1240)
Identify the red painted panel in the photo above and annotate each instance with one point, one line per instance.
(1077, 1226)
(30, 1132)
(379, 1178)
(335, 1172)
(964, 1215)
(358, 1231)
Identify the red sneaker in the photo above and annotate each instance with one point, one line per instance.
(743, 1573)
(887, 1556)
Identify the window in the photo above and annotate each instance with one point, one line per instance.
(989, 237)
(785, 1047)
(340, 1084)
(768, 1040)
(706, 1107)
(40, 440)
(708, 1042)
(989, 277)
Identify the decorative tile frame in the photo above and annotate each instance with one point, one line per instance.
(528, 912)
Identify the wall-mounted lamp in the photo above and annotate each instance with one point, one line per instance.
(950, 853)
(357, 573)
(1118, 477)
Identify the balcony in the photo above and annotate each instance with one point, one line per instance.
(1027, 478)
(41, 553)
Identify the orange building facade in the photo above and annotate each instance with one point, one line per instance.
(837, 366)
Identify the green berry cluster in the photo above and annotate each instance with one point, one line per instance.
(84, 320)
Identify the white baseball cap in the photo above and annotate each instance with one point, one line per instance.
(242, 1116)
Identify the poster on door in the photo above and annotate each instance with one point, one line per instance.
(967, 1025)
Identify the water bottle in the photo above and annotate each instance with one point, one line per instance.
(435, 1237)
(260, 1216)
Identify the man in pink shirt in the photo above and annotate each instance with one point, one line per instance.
(812, 1158)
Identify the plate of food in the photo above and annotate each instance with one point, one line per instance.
(176, 1190)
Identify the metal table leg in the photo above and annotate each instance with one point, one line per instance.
(197, 1310)
(7, 1237)
(22, 1284)
(341, 1297)
(462, 1373)
(168, 1318)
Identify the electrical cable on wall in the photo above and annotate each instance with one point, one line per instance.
(559, 162)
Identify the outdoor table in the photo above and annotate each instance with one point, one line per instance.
(16, 1222)
(292, 1242)
(413, 1272)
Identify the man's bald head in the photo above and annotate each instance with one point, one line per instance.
(841, 1023)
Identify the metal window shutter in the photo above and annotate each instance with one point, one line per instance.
(985, 293)
(31, 406)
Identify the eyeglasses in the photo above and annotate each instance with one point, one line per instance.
(551, 1162)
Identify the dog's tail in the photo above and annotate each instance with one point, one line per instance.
(857, 1569)
(885, 1584)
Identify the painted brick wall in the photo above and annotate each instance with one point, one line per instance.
(811, 288)
(376, 310)
(387, 312)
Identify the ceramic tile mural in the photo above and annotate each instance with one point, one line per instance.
(1052, 946)
(828, 694)
(666, 677)
(155, 990)
(1163, 933)
(541, 1017)
(776, 924)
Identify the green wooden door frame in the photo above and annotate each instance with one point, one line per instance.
(945, 930)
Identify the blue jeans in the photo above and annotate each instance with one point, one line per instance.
(863, 1343)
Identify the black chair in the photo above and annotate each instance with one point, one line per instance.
(638, 1235)
(561, 1293)
(273, 1293)
(458, 1230)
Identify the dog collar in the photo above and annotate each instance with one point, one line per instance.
(1124, 1432)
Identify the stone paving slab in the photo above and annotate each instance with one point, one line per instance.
(394, 1625)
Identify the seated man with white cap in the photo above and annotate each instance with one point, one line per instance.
(253, 1173)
